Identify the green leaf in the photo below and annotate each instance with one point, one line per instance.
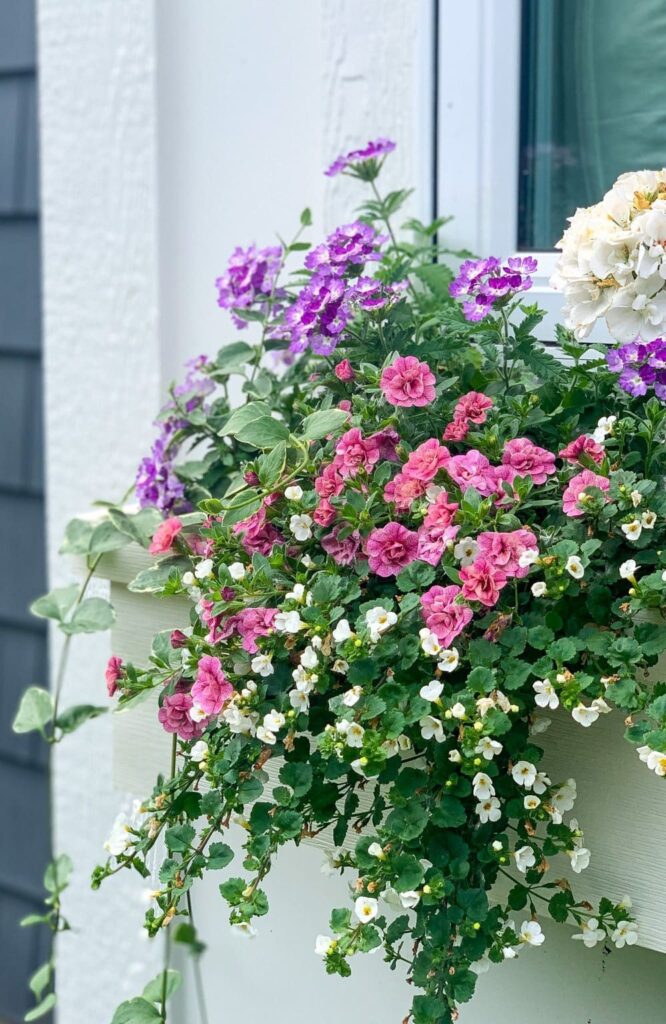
(559, 904)
(306, 217)
(128, 525)
(449, 813)
(155, 578)
(73, 717)
(56, 604)
(298, 776)
(93, 615)
(241, 506)
(219, 856)
(408, 822)
(77, 537)
(58, 874)
(517, 897)
(44, 1007)
(271, 465)
(320, 424)
(253, 424)
(35, 710)
(408, 872)
(136, 1011)
(40, 979)
(417, 576)
(178, 838)
(154, 990)
(429, 1009)
(232, 357)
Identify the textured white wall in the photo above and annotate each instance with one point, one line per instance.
(102, 388)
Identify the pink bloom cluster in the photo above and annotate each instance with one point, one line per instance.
(211, 689)
(444, 613)
(250, 623)
(583, 445)
(164, 536)
(577, 489)
(174, 714)
(408, 382)
(471, 408)
(113, 672)
(257, 534)
(391, 548)
(437, 529)
(421, 468)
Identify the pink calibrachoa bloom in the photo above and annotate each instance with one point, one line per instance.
(388, 440)
(175, 716)
(444, 614)
(577, 488)
(113, 672)
(342, 550)
(583, 445)
(433, 541)
(257, 534)
(472, 470)
(164, 535)
(211, 689)
(325, 513)
(391, 548)
(425, 462)
(482, 581)
(527, 459)
(355, 452)
(344, 370)
(408, 382)
(473, 407)
(503, 550)
(329, 481)
(403, 491)
(457, 429)
(441, 512)
(252, 623)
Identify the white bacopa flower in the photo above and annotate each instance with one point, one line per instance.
(458, 710)
(541, 783)
(575, 567)
(497, 845)
(274, 721)
(409, 899)
(342, 632)
(120, 838)
(244, 930)
(632, 530)
(391, 747)
(204, 569)
(199, 752)
(590, 933)
(298, 594)
(293, 493)
(530, 933)
(431, 690)
(262, 664)
(628, 569)
(404, 742)
(330, 864)
(481, 966)
(307, 561)
(546, 696)
(489, 810)
(488, 748)
(429, 642)
(355, 734)
(656, 762)
(580, 858)
(538, 589)
(524, 773)
(352, 696)
(585, 716)
(308, 658)
(299, 700)
(531, 802)
(238, 723)
(340, 666)
(600, 705)
(648, 519)
(301, 526)
(465, 550)
(323, 943)
(266, 736)
(304, 680)
(626, 934)
(525, 858)
(449, 660)
(188, 579)
(378, 620)
(197, 713)
(636, 498)
(366, 909)
(288, 622)
(528, 557)
(237, 571)
(455, 757)
(483, 786)
(375, 850)
(432, 729)
(564, 797)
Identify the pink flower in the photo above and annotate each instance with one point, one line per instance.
(165, 535)
(473, 406)
(471, 470)
(444, 614)
(576, 489)
(527, 459)
(441, 512)
(391, 548)
(344, 405)
(252, 623)
(583, 444)
(433, 541)
(325, 513)
(425, 462)
(342, 550)
(219, 626)
(503, 550)
(257, 534)
(178, 639)
(457, 429)
(482, 581)
(408, 382)
(113, 672)
(355, 452)
(403, 491)
(211, 689)
(175, 716)
(388, 440)
(329, 482)
(344, 370)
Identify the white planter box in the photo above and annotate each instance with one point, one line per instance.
(621, 805)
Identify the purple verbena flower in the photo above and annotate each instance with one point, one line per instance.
(640, 365)
(349, 245)
(249, 280)
(485, 283)
(363, 162)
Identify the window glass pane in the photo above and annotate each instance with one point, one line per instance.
(593, 105)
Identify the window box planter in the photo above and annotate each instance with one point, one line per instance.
(621, 805)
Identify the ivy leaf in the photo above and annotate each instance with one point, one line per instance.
(408, 871)
(253, 424)
(558, 906)
(73, 717)
(56, 604)
(271, 465)
(156, 577)
(154, 990)
(136, 1011)
(44, 1007)
(408, 822)
(35, 710)
(320, 424)
(94, 615)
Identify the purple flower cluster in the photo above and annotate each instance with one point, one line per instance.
(485, 282)
(325, 306)
(157, 485)
(640, 366)
(350, 244)
(357, 158)
(249, 280)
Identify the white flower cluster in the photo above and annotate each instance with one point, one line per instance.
(613, 261)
